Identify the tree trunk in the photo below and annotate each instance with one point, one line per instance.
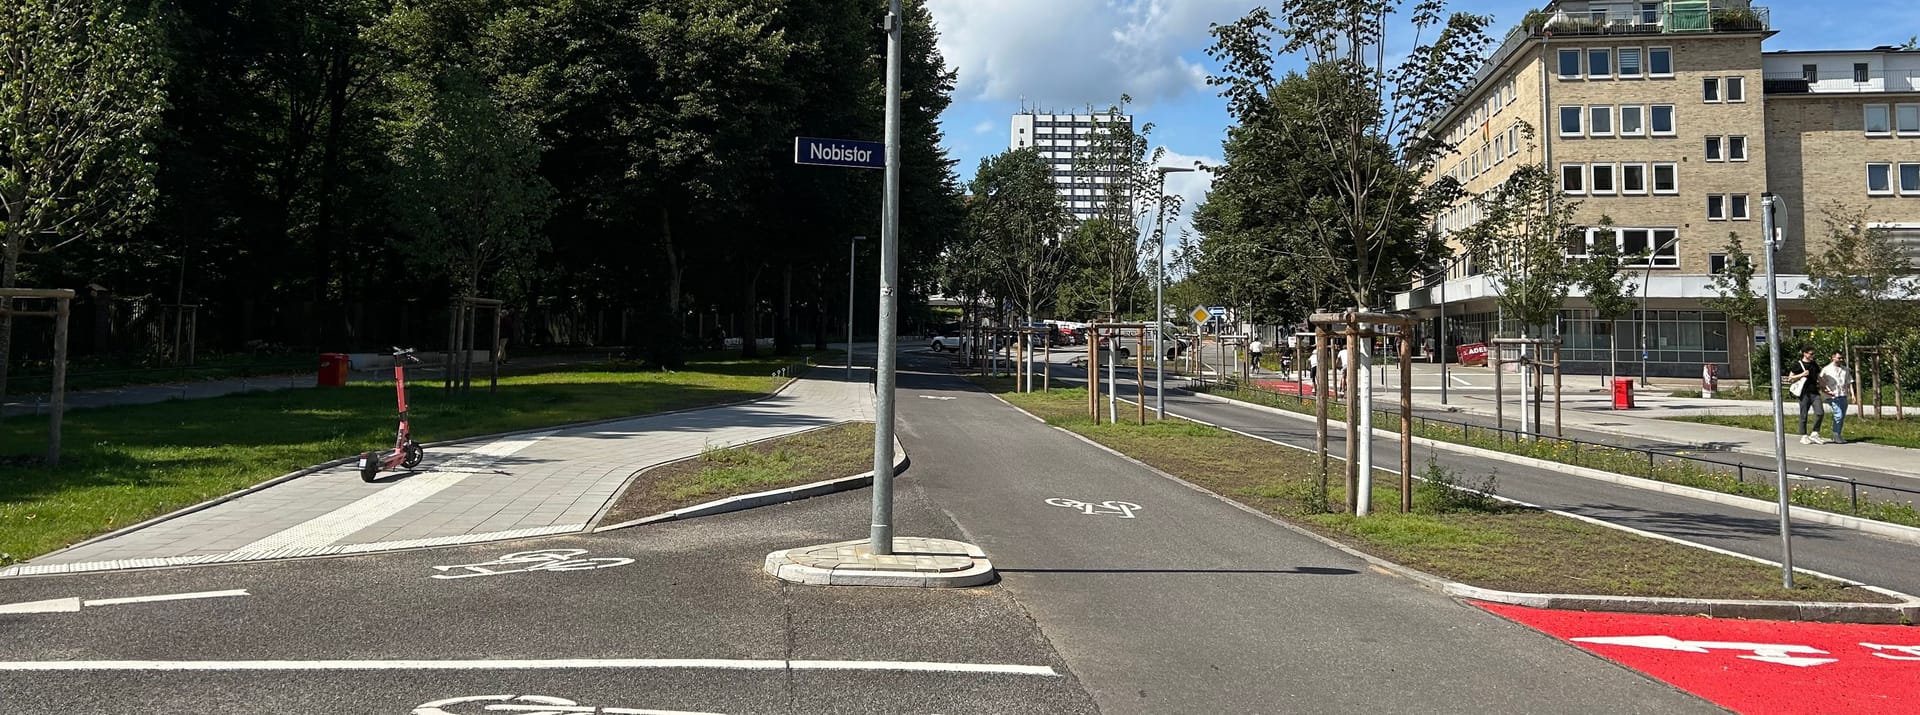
(667, 353)
(783, 331)
(326, 230)
(750, 334)
(9, 268)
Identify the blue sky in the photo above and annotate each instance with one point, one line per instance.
(1062, 55)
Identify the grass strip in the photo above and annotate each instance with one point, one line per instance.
(1483, 542)
(1891, 432)
(122, 465)
(1673, 470)
(842, 450)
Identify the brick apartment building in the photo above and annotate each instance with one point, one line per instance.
(1672, 120)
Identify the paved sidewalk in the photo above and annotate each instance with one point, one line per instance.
(527, 485)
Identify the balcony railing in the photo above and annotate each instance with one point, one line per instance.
(1842, 82)
(1671, 17)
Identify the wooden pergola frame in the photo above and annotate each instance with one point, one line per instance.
(1875, 355)
(62, 309)
(463, 313)
(1118, 331)
(1354, 326)
(1499, 392)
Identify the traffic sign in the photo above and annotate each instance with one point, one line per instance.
(1219, 312)
(839, 152)
(1200, 315)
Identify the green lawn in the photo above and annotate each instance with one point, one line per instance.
(1885, 430)
(1480, 542)
(122, 465)
(816, 455)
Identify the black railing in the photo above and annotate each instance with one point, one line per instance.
(1502, 436)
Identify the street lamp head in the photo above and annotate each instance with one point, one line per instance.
(1165, 170)
(859, 238)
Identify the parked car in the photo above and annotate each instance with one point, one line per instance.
(1176, 346)
(947, 341)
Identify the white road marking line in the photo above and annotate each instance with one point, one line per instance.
(70, 605)
(560, 664)
(165, 597)
(340, 523)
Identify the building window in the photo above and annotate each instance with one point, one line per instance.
(1602, 184)
(1570, 121)
(1499, 148)
(1641, 247)
(1512, 90)
(1736, 89)
(1736, 148)
(1633, 120)
(1573, 178)
(1879, 179)
(1910, 179)
(1600, 121)
(1737, 207)
(1713, 149)
(1599, 63)
(1629, 62)
(1716, 263)
(1710, 88)
(1810, 73)
(1716, 207)
(1877, 120)
(1906, 118)
(1569, 64)
(1633, 179)
(1513, 140)
(1659, 62)
(1662, 121)
(1666, 178)
(1860, 72)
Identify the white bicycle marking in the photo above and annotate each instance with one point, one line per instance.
(1121, 509)
(936, 397)
(528, 561)
(533, 705)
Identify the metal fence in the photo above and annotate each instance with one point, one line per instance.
(1599, 455)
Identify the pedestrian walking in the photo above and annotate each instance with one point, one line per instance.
(1801, 382)
(1833, 383)
(1253, 351)
(1313, 367)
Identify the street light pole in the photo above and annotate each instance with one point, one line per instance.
(1645, 279)
(851, 258)
(1159, 297)
(880, 536)
(1445, 268)
(1779, 412)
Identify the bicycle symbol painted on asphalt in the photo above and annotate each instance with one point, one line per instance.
(531, 705)
(528, 561)
(1121, 509)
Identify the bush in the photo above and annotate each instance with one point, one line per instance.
(1443, 492)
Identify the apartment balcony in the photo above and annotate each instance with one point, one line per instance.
(1842, 82)
(1570, 19)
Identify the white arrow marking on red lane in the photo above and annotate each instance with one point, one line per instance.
(69, 605)
(1764, 652)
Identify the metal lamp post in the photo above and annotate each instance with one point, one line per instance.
(852, 257)
(880, 534)
(1446, 267)
(1772, 239)
(1159, 296)
(1645, 279)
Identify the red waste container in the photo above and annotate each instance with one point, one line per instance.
(333, 369)
(1623, 393)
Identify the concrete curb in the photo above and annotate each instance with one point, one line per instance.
(324, 466)
(770, 497)
(1894, 532)
(1904, 613)
(979, 572)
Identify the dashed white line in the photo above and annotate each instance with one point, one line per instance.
(559, 664)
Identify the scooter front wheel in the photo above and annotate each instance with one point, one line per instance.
(411, 454)
(369, 466)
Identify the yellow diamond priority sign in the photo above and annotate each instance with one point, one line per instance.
(1200, 315)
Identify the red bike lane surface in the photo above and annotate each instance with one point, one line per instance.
(1752, 667)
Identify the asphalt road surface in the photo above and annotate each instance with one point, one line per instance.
(1185, 604)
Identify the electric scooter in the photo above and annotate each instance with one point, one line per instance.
(406, 453)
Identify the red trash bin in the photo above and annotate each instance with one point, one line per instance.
(1623, 393)
(333, 369)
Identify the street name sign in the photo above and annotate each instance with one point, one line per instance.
(839, 152)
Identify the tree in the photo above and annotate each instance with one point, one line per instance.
(1107, 250)
(1363, 118)
(1608, 289)
(80, 90)
(1860, 282)
(1017, 221)
(1734, 295)
(1522, 242)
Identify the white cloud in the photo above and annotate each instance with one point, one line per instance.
(985, 125)
(1065, 54)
